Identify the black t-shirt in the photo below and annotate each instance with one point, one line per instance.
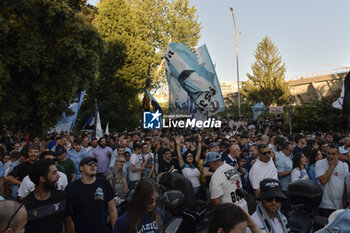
(164, 166)
(48, 215)
(175, 160)
(89, 204)
(21, 170)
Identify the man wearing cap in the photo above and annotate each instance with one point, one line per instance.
(92, 200)
(332, 173)
(267, 215)
(225, 184)
(65, 162)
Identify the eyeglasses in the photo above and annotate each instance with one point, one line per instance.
(92, 163)
(277, 199)
(120, 161)
(266, 152)
(14, 214)
(232, 141)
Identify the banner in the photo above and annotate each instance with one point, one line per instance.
(67, 122)
(184, 70)
(258, 109)
(205, 61)
(98, 129)
(276, 110)
(154, 102)
(177, 96)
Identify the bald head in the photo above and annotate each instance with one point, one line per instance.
(235, 151)
(18, 222)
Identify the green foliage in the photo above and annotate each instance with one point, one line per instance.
(267, 83)
(318, 116)
(50, 52)
(136, 34)
(246, 110)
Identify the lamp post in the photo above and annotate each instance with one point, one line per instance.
(236, 35)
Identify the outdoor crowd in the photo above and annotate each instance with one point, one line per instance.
(68, 182)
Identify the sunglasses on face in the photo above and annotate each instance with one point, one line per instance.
(266, 152)
(277, 199)
(232, 141)
(92, 163)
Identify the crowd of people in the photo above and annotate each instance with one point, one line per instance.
(241, 170)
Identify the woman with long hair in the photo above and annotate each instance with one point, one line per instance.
(315, 155)
(229, 218)
(188, 164)
(142, 215)
(299, 171)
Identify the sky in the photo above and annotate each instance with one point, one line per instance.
(311, 35)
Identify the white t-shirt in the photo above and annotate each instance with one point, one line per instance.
(333, 190)
(28, 186)
(192, 174)
(299, 175)
(261, 170)
(135, 160)
(276, 223)
(224, 184)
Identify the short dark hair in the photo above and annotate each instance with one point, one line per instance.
(225, 216)
(298, 136)
(77, 141)
(262, 146)
(99, 140)
(40, 168)
(43, 154)
(137, 146)
(34, 146)
(286, 145)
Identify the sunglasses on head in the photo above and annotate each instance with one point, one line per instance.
(92, 163)
(266, 152)
(277, 199)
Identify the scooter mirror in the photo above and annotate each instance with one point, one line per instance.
(174, 225)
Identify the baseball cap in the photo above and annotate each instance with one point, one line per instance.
(60, 150)
(212, 145)
(86, 160)
(212, 157)
(270, 188)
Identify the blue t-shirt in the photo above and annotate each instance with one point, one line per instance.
(148, 224)
(2, 170)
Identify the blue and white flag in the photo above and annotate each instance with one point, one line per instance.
(258, 109)
(204, 60)
(67, 122)
(91, 120)
(98, 129)
(177, 96)
(183, 66)
(154, 102)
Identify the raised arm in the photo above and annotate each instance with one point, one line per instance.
(199, 149)
(178, 151)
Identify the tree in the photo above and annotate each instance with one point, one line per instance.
(267, 83)
(51, 52)
(136, 34)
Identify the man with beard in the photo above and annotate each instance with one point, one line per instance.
(267, 215)
(103, 155)
(92, 200)
(22, 170)
(48, 208)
